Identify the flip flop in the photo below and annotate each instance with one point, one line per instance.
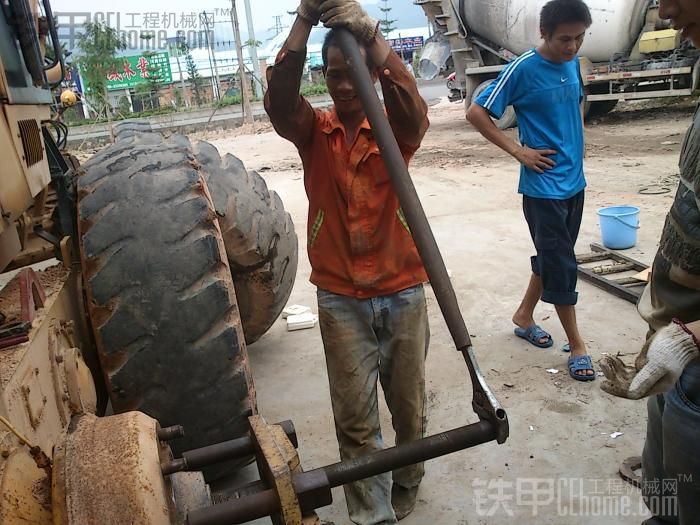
(533, 334)
(581, 363)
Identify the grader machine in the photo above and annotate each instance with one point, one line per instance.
(124, 381)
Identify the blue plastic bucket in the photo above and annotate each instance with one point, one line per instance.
(618, 226)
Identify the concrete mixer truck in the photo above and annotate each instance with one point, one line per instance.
(629, 52)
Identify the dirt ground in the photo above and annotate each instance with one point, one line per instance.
(560, 463)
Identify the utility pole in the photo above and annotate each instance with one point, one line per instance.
(208, 21)
(245, 95)
(176, 49)
(253, 50)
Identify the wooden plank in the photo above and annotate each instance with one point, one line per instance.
(644, 276)
(591, 257)
(629, 281)
(612, 268)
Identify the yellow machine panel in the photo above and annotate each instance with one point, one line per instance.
(25, 127)
(15, 195)
(659, 41)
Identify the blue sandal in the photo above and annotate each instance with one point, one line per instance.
(533, 334)
(581, 363)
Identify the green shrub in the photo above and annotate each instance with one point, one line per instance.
(312, 90)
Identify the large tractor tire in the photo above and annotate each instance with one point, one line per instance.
(259, 236)
(160, 294)
(261, 244)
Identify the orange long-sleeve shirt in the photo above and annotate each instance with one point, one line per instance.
(358, 241)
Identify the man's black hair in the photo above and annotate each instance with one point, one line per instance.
(558, 12)
(331, 40)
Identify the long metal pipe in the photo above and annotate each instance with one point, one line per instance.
(241, 510)
(267, 503)
(406, 191)
(484, 401)
(407, 454)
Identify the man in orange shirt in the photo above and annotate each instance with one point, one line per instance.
(371, 301)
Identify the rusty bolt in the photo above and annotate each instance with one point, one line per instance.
(171, 467)
(170, 433)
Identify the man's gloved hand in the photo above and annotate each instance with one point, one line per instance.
(658, 367)
(310, 10)
(350, 15)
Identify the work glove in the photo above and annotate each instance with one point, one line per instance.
(658, 367)
(350, 15)
(310, 10)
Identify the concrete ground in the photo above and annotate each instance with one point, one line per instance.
(560, 463)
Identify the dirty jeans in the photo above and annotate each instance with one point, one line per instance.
(671, 458)
(365, 339)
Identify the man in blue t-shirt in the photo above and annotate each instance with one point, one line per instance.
(544, 86)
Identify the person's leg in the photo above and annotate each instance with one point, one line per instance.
(567, 317)
(404, 336)
(566, 313)
(524, 315)
(352, 358)
(679, 497)
(653, 470)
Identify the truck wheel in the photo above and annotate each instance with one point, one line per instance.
(599, 108)
(160, 294)
(508, 120)
(259, 236)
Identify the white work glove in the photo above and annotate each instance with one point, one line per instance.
(658, 367)
(350, 15)
(310, 10)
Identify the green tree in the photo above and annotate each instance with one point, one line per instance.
(155, 77)
(386, 24)
(196, 80)
(99, 45)
(179, 98)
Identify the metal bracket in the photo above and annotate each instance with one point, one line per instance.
(31, 293)
(31, 297)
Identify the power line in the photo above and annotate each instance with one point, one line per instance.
(278, 27)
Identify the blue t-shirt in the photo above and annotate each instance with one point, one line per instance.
(546, 97)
